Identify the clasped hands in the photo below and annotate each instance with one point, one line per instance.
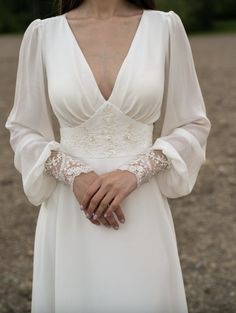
(100, 195)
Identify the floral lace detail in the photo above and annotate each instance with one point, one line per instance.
(64, 167)
(147, 164)
(109, 133)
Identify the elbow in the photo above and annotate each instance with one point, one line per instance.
(199, 129)
(10, 123)
(208, 126)
(205, 123)
(205, 131)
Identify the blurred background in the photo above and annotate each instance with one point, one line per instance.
(205, 220)
(201, 15)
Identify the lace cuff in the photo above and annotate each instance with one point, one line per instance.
(147, 164)
(64, 167)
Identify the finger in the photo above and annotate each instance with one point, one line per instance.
(96, 222)
(103, 205)
(90, 193)
(120, 215)
(112, 221)
(95, 202)
(113, 206)
(104, 221)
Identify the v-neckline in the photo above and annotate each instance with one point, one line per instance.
(122, 66)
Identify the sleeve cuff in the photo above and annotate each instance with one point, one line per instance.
(179, 180)
(38, 186)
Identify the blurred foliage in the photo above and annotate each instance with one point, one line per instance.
(197, 15)
(200, 15)
(16, 15)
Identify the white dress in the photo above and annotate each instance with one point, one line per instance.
(79, 266)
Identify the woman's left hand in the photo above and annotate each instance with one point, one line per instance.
(107, 191)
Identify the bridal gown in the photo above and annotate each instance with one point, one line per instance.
(79, 266)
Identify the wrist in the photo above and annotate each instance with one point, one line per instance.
(83, 177)
(65, 167)
(146, 165)
(137, 171)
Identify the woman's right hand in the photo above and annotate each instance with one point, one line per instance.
(80, 185)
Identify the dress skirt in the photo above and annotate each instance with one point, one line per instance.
(88, 268)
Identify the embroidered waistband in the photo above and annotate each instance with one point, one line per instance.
(108, 133)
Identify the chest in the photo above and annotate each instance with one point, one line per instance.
(81, 81)
(105, 45)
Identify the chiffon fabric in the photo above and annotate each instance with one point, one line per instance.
(79, 266)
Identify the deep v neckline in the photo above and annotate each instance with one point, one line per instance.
(123, 64)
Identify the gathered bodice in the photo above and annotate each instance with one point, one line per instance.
(138, 90)
(107, 133)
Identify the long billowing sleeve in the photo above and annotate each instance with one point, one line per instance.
(30, 124)
(185, 126)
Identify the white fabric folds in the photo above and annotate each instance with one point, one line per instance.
(29, 122)
(186, 126)
(79, 266)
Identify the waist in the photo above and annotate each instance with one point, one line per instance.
(104, 142)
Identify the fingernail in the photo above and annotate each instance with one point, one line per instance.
(88, 215)
(95, 216)
(122, 221)
(81, 207)
(116, 227)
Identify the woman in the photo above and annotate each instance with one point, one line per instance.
(107, 71)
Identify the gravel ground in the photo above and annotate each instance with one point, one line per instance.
(204, 221)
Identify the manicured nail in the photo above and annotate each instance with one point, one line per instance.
(95, 217)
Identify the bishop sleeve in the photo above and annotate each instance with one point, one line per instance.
(29, 122)
(180, 150)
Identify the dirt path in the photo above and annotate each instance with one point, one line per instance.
(205, 221)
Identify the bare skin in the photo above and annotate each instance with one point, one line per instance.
(94, 192)
(104, 31)
(104, 41)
